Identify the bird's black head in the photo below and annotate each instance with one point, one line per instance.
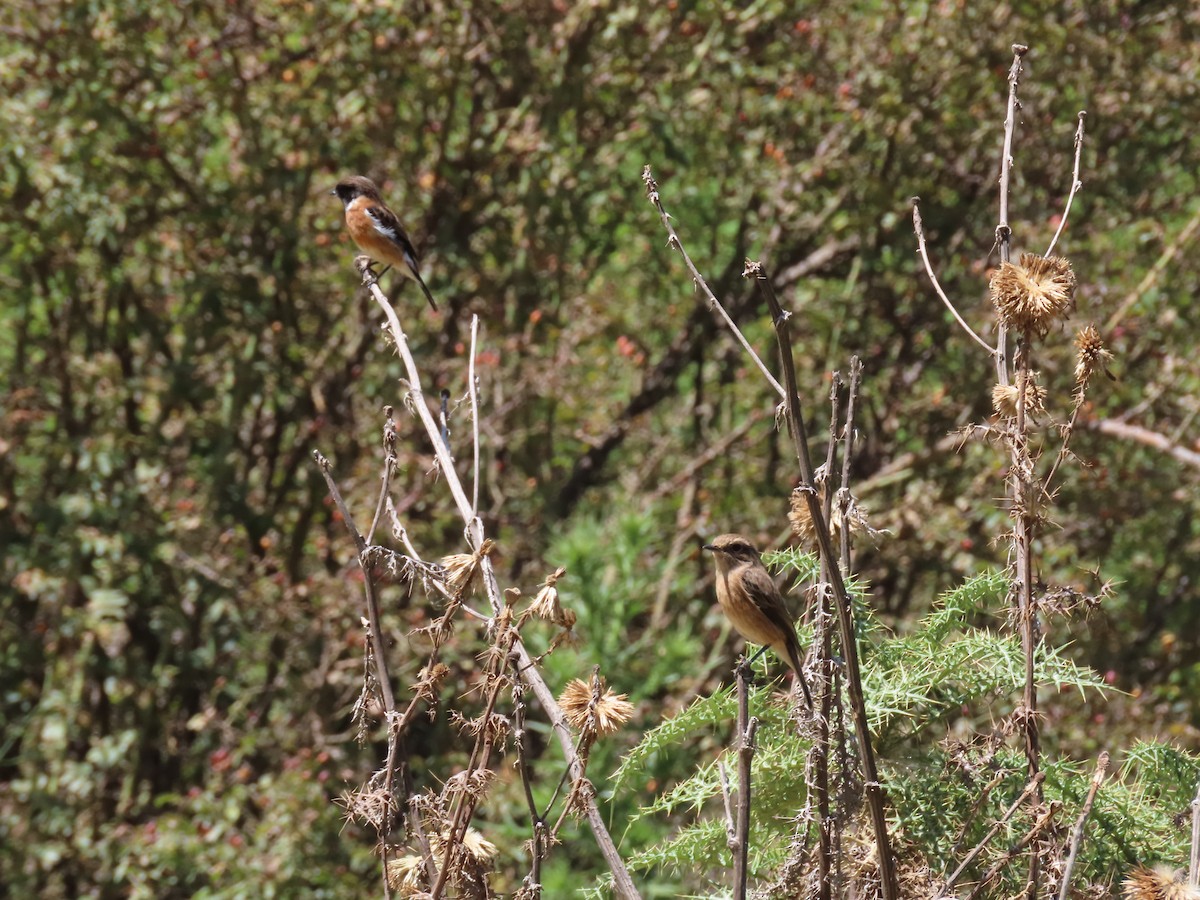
(355, 186)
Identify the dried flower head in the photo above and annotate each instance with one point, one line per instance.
(429, 680)
(1004, 397)
(365, 805)
(802, 523)
(404, 875)
(1091, 355)
(471, 862)
(594, 711)
(474, 783)
(461, 568)
(479, 848)
(1031, 295)
(547, 606)
(1158, 883)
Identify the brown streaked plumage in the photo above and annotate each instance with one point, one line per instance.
(750, 600)
(377, 230)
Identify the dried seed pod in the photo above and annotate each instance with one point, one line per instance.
(1033, 294)
(609, 712)
(1091, 355)
(1004, 397)
(1158, 883)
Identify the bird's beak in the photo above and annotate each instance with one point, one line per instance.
(709, 547)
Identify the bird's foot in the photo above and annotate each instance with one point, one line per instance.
(363, 264)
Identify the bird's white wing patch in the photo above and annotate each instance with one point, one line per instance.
(386, 230)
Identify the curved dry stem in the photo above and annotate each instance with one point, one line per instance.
(698, 279)
(937, 286)
(1076, 184)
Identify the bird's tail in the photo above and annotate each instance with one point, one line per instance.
(428, 296)
(796, 660)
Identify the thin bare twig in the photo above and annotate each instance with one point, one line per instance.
(919, 228)
(465, 802)
(835, 388)
(969, 819)
(1080, 823)
(389, 465)
(519, 740)
(819, 755)
(1125, 430)
(385, 681)
(747, 725)
(383, 678)
(1076, 184)
(1043, 822)
(727, 800)
(473, 393)
(414, 817)
(1003, 231)
(444, 417)
(716, 450)
(1194, 856)
(698, 279)
(1031, 787)
(845, 498)
(686, 524)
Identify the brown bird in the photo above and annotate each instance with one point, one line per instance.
(377, 230)
(750, 600)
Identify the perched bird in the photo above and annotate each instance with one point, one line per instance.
(750, 600)
(377, 230)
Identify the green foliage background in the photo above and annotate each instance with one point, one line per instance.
(181, 327)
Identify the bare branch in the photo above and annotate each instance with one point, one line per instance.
(1003, 231)
(1032, 787)
(1044, 821)
(727, 799)
(845, 498)
(1076, 184)
(385, 681)
(1064, 888)
(937, 286)
(473, 393)
(698, 279)
(389, 465)
(747, 725)
(1141, 435)
(1170, 252)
